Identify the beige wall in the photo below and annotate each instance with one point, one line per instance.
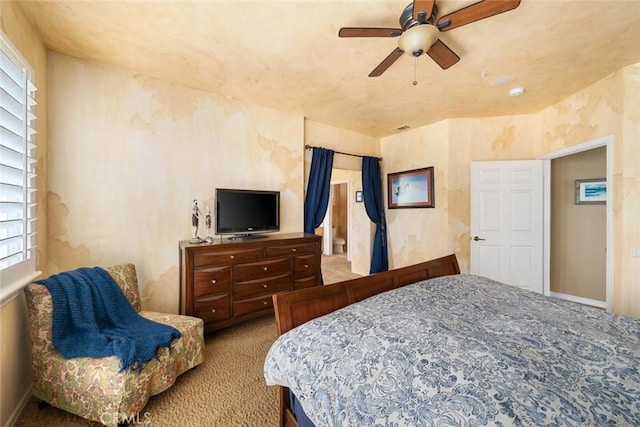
(448, 146)
(15, 350)
(609, 107)
(578, 232)
(128, 153)
(418, 234)
(627, 198)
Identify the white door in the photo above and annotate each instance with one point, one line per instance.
(507, 222)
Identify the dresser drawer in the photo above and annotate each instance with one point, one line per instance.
(253, 288)
(306, 282)
(211, 281)
(307, 248)
(226, 257)
(304, 266)
(261, 269)
(252, 305)
(213, 308)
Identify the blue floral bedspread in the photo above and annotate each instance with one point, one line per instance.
(462, 350)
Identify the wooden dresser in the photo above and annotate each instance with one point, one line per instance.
(230, 281)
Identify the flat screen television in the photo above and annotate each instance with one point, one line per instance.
(246, 213)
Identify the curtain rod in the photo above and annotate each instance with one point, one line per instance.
(309, 147)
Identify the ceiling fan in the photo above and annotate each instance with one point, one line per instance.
(420, 27)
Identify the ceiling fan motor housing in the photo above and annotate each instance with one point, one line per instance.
(407, 21)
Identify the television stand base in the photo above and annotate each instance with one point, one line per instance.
(247, 236)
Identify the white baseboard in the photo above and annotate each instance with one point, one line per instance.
(18, 410)
(580, 300)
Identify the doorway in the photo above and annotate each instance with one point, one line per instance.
(360, 230)
(578, 229)
(335, 227)
(563, 250)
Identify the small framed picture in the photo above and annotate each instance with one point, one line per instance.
(411, 189)
(358, 196)
(591, 191)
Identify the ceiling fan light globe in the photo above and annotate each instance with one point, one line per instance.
(418, 39)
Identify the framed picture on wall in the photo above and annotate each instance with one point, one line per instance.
(591, 191)
(358, 196)
(411, 189)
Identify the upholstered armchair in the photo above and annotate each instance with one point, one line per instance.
(96, 389)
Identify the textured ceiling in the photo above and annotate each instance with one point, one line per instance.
(287, 54)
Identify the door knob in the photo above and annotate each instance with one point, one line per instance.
(476, 238)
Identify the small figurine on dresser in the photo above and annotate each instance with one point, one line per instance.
(207, 222)
(195, 218)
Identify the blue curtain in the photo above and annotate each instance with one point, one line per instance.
(318, 189)
(374, 205)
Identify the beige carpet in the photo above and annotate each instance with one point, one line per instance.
(226, 390)
(336, 268)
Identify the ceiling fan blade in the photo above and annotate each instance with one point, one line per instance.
(388, 61)
(369, 32)
(442, 55)
(475, 12)
(422, 9)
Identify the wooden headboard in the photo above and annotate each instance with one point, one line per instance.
(297, 307)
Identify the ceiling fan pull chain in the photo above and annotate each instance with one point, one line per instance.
(415, 71)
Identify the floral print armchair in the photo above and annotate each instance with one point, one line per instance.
(95, 388)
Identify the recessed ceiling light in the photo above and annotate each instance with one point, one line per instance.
(516, 91)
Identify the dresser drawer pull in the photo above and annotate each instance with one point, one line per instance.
(213, 281)
(306, 266)
(264, 268)
(265, 303)
(264, 286)
(231, 256)
(293, 249)
(213, 310)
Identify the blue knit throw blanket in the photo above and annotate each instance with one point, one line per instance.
(93, 318)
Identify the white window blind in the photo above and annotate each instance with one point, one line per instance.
(17, 171)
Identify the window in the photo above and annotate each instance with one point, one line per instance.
(17, 167)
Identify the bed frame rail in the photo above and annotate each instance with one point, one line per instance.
(297, 307)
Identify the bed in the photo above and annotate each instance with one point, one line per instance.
(426, 345)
